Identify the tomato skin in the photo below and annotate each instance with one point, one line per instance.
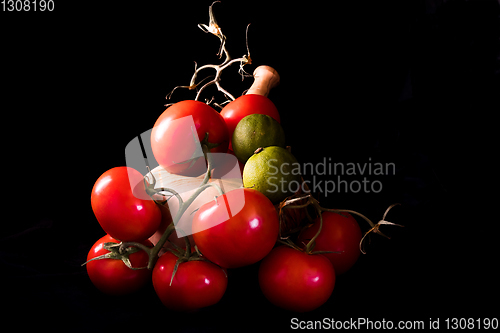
(241, 239)
(122, 206)
(112, 276)
(174, 239)
(172, 139)
(246, 105)
(196, 284)
(296, 281)
(339, 233)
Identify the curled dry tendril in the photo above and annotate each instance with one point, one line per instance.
(375, 228)
(214, 29)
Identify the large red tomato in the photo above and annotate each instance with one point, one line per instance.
(246, 105)
(112, 276)
(196, 284)
(339, 233)
(237, 229)
(176, 144)
(296, 281)
(122, 206)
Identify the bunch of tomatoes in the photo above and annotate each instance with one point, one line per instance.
(298, 261)
(192, 274)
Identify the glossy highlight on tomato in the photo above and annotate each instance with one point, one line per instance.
(177, 133)
(237, 229)
(296, 281)
(196, 284)
(112, 276)
(122, 207)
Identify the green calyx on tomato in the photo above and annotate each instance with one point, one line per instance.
(185, 255)
(118, 251)
(194, 285)
(118, 268)
(184, 280)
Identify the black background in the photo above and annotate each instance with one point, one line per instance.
(414, 83)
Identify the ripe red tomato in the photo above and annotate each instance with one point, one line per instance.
(173, 142)
(173, 240)
(246, 105)
(112, 276)
(339, 233)
(122, 206)
(296, 281)
(196, 284)
(237, 229)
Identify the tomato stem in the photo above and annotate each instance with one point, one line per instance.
(286, 204)
(175, 193)
(339, 211)
(153, 254)
(183, 206)
(376, 227)
(310, 245)
(121, 251)
(288, 242)
(124, 245)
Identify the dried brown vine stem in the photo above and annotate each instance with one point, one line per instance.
(375, 228)
(215, 30)
(286, 204)
(291, 219)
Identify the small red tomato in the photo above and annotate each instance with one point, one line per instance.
(112, 276)
(340, 233)
(296, 281)
(237, 229)
(196, 284)
(177, 133)
(246, 105)
(122, 206)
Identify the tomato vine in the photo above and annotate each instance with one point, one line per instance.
(183, 205)
(289, 216)
(215, 30)
(374, 227)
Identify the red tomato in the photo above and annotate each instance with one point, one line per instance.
(296, 281)
(246, 105)
(196, 284)
(339, 233)
(173, 240)
(122, 206)
(237, 229)
(173, 142)
(112, 276)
